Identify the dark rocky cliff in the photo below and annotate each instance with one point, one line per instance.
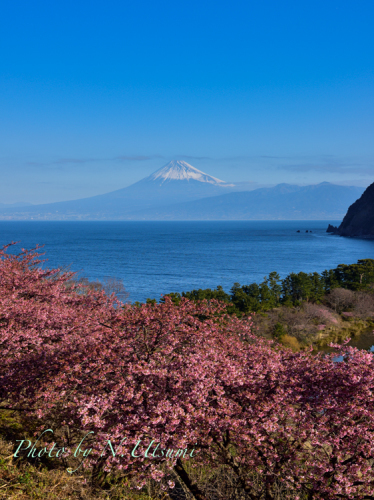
(359, 220)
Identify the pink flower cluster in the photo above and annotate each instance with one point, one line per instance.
(185, 376)
(328, 315)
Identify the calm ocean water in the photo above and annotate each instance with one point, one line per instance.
(153, 258)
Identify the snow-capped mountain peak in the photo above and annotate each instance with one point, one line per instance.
(178, 170)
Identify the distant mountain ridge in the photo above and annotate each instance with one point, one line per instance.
(284, 201)
(179, 191)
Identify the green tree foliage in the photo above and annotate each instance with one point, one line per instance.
(218, 294)
(293, 290)
(355, 276)
(246, 298)
(275, 286)
(175, 297)
(279, 331)
(330, 280)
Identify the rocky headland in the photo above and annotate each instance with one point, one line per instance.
(359, 220)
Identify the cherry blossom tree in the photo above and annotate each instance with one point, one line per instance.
(159, 377)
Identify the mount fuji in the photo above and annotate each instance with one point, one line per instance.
(179, 191)
(178, 170)
(176, 182)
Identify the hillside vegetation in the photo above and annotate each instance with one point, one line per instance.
(303, 308)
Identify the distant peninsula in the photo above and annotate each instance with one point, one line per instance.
(359, 220)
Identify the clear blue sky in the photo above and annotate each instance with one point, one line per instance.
(96, 95)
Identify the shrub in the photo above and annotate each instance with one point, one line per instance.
(279, 331)
(291, 342)
(340, 299)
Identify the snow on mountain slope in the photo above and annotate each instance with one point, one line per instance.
(178, 170)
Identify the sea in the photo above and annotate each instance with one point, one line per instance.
(153, 258)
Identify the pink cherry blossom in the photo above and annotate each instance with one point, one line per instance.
(185, 377)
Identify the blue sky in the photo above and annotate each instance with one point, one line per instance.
(96, 95)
